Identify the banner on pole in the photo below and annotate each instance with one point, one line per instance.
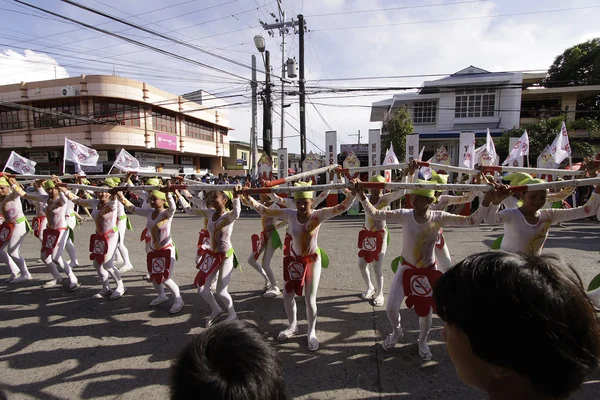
(466, 150)
(265, 167)
(282, 164)
(80, 154)
(126, 162)
(311, 162)
(517, 161)
(331, 150)
(518, 150)
(561, 148)
(412, 147)
(390, 157)
(374, 150)
(20, 164)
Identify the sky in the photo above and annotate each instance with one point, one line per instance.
(391, 40)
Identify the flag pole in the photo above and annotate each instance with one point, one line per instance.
(111, 168)
(573, 198)
(64, 156)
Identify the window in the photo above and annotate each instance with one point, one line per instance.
(475, 103)
(117, 113)
(244, 156)
(48, 119)
(424, 112)
(200, 130)
(164, 122)
(9, 119)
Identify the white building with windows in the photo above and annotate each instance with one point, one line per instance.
(470, 100)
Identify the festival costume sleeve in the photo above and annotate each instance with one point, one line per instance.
(319, 199)
(282, 201)
(230, 216)
(87, 203)
(453, 200)
(560, 196)
(459, 220)
(390, 215)
(198, 202)
(389, 198)
(200, 212)
(33, 196)
(329, 212)
(62, 198)
(497, 217)
(587, 210)
(144, 212)
(281, 213)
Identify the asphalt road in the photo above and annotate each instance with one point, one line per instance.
(60, 345)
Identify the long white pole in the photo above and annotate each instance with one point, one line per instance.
(573, 197)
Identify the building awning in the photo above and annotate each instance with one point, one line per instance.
(479, 134)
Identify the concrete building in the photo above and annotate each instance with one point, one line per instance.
(164, 131)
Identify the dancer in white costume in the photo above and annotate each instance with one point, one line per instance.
(220, 257)
(12, 232)
(123, 224)
(56, 233)
(71, 218)
(162, 254)
(303, 264)
(415, 277)
(104, 242)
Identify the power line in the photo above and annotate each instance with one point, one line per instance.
(452, 19)
(393, 8)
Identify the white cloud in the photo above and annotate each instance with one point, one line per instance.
(28, 67)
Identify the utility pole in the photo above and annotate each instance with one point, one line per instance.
(267, 122)
(254, 136)
(283, 68)
(302, 92)
(359, 136)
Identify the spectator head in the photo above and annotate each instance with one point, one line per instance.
(230, 360)
(518, 323)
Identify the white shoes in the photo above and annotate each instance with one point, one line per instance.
(125, 268)
(378, 301)
(74, 287)
(367, 294)
(313, 344)
(212, 318)
(158, 300)
(52, 283)
(74, 264)
(424, 352)
(177, 306)
(391, 340)
(271, 292)
(102, 294)
(21, 278)
(287, 333)
(117, 294)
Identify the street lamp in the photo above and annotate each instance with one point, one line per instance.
(260, 44)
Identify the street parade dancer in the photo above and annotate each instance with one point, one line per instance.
(265, 244)
(302, 267)
(13, 230)
(39, 222)
(123, 224)
(54, 237)
(373, 239)
(71, 218)
(218, 260)
(415, 271)
(161, 251)
(103, 243)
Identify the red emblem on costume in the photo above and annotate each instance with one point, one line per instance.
(6, 230)
(287, 244)
(370, 243)
(36, 223)
(418, 287)
(258, 243)
(294, 272)
(441, 241)
(207, 264)
(145, 237)
(49, 241)
(98, 248)
(203, 240)
(159, 264)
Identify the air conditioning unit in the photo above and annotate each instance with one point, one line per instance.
(54, 154)
(68, 91)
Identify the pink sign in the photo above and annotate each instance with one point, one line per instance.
(166, 141)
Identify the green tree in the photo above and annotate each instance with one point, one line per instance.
(579, 65)
(394, 131)
(543, 133)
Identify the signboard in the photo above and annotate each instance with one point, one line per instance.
(39, 157)
(92, 168)
(466, 149)
(519, 161)
(358, 149)
(153, 158)
(186, 160)
(282, 170)
(102, 155)
(189, 170)
(265, 167)
(374, 150)
(311, 162)
(412, 147)
(166, 141)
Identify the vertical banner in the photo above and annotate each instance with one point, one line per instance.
(517, 161)
(466, 148)
(311, 162)
(374, 150)
(282, 164)
(352, 161)
(330, 159)
(265, 167)
(412, 147)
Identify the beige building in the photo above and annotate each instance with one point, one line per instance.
(164, 131)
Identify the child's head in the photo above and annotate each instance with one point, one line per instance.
(218, 199)
(518, 318)
(230, 360)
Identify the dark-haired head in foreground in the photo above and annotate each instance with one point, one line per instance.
(230, 360)
(518, 326)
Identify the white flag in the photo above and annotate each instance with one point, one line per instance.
(426, 171)
(390, 157)
(80, 154)
(490, 148)
(20, 165)
(421, 153)
(560, 148)
(126, 162)
(521, 148)
(469, 161)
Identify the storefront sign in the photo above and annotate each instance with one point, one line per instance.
(153, 158)
(166, 141)
(102, 155)
(92, 168)
(186, 160)
(39, 157)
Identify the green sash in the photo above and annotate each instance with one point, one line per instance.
(276, 240)
(27, 224)
(396, 262)
(497, 243)
(324, 257)
(129, 226)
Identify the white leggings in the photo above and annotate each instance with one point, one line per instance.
(377, 266)
(55, 259)
(311, 284)
(264, 268)
(170, 283)
(224, 277)
(103, 270)
(393, 308)
(121, 248)
(69, 246)
(9, 253)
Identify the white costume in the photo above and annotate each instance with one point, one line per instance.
(12, 212)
